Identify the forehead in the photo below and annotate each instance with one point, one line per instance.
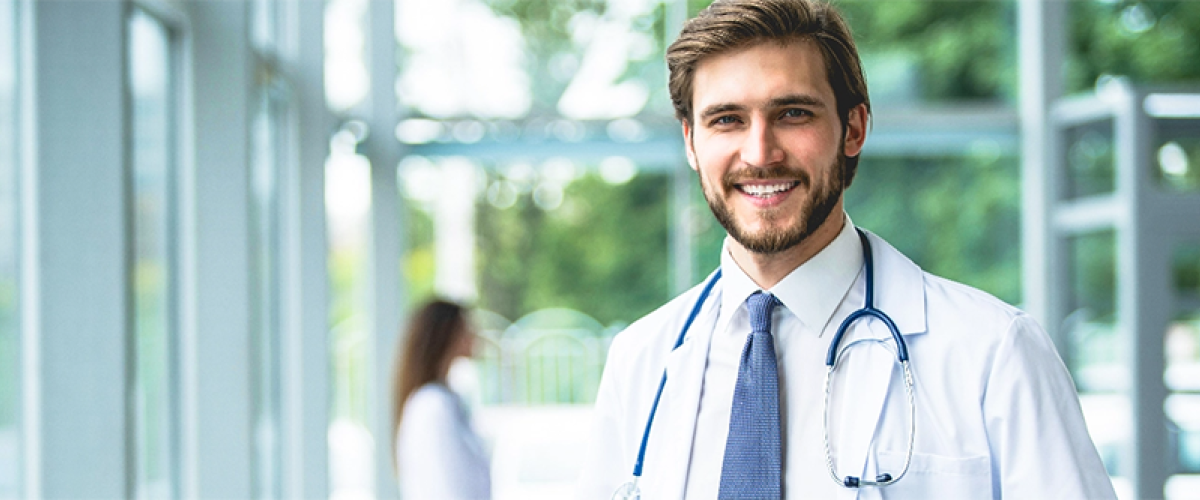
(758, 72)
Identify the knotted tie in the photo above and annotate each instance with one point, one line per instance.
(751, 468)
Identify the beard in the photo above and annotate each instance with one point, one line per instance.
(814, 210)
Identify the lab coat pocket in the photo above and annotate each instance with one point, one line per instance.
(937, 476)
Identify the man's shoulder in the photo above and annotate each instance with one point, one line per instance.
(949, 301)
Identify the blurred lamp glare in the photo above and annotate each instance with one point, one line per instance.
(617, 170)
(1172, 159)
(419, 131)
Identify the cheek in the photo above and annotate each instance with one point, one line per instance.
(712, 158)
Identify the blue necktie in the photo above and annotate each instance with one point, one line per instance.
(752, 451)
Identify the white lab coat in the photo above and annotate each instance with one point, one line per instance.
(438, 453)
(997, 412)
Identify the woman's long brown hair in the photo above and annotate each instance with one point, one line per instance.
(433, 330)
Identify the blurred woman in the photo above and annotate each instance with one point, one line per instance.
(438, 454)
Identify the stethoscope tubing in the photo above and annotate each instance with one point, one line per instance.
(831, 359)
(637, 466)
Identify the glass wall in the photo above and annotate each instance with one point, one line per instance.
(1093, 342)
(549, 149)
(10, 334)
(548, 116)
(1182, 372)
(153, 101)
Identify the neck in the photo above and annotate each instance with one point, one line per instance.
(767, 270)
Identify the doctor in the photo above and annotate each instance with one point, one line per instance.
(774, 110)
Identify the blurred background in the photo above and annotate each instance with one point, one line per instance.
(214, 216)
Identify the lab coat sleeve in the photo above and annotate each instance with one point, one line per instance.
(1040, 445)
(607, 464)
(436, 454)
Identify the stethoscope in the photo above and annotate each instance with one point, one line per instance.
(630, 491)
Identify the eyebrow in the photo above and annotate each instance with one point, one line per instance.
(777, 102)
(717, 109)
(796, 99)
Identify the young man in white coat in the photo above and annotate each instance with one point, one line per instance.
(774, 111)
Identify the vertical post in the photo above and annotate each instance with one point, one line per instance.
(218, 435)
(681, 230)
(305, 383)
(681, 181)
(1144, 305)
(1041, 44)
(383, 150)
(76, 311)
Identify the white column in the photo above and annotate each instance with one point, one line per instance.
(1145, 305)
(217, 370)
(383, 150)
(76, 297)
(1041, 43)
(306, 357)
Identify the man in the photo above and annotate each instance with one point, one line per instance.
(774, 110)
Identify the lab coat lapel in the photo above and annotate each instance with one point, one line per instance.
(678, 408)
(899, 287)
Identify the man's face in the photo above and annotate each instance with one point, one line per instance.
(767, 143)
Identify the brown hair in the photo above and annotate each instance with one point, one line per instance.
(433, 331)
(731, 24)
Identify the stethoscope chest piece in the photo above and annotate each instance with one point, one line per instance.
(628, 491)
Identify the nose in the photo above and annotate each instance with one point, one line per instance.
(761, 147)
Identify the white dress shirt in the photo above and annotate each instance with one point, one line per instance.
(438, 453)
(810, 294)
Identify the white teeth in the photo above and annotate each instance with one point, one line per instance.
(765, 189)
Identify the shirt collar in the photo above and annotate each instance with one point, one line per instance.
(811, 292)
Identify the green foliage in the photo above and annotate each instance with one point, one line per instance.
(963, 50)
(554, 54)
(1152, 42)
(604, 251)
(955, 217)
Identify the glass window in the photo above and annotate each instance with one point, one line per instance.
(968, 57)
(10, 354)
(544, 166)
(266, 308)
(1152, 42)
(348, 211)
(152, 172)
(269, 162)
(1090, 159)
(1093, 353)
(522, 60)
(1182, 376)
(598, 233)
(1176, 162)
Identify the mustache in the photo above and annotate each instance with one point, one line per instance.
(778, 172)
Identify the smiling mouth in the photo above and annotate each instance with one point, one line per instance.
(766, 190)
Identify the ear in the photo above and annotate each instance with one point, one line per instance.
(856, 130)
(687, 145)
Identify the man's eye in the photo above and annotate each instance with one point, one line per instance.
(724, 120)
(796, 113)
